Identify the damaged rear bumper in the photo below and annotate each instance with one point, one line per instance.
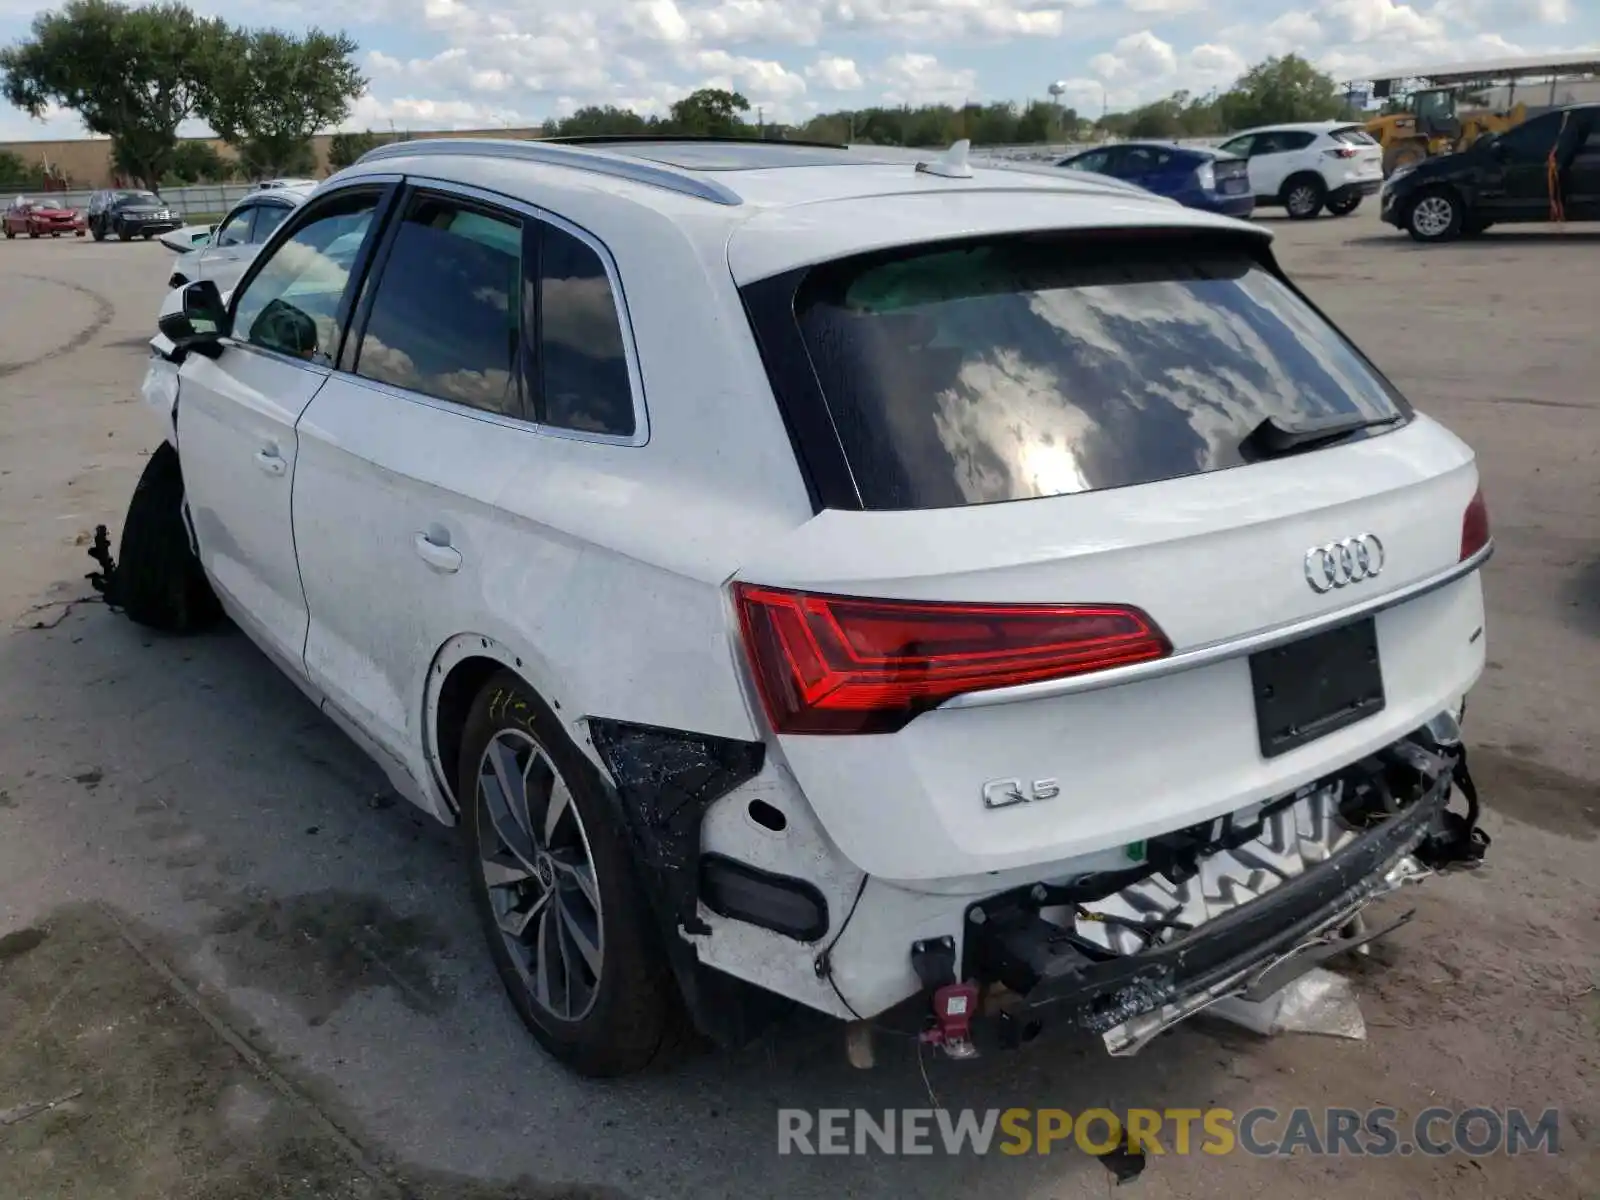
(1219, 910)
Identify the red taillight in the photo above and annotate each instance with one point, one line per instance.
(1342, 152)
(836, 664)
(1474, 526)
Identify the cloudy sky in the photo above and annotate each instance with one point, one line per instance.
(466, 63)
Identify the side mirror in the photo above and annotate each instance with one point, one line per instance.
(201, 323)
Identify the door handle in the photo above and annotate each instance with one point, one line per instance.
(270, 461)
(445, 559)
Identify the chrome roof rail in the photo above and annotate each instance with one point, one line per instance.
(554, 154)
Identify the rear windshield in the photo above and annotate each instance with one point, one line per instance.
(1030, 366)
(1353, 136)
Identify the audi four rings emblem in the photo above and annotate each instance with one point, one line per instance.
(1339, 564)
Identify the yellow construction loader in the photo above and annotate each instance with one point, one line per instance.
(1432, 123)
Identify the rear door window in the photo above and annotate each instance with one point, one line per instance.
(1039, 365)
(584, 382)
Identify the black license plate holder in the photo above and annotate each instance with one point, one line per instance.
(1307, 689)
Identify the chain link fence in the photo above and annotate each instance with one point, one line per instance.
(200, 199)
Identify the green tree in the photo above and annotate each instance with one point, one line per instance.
(711, 112)
(271, 159)
(198, 162)
(596, 121)
(1279, 90)
(345, 149)
(266, 93)
(131, 74)
(1043, 121)
(17, 174)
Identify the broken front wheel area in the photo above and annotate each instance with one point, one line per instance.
(156, 580)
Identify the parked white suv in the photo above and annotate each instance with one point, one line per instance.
(814, 580)
(1307, 167)
(234, 241)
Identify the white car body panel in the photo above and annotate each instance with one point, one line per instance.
(236, 432)
(600, 571)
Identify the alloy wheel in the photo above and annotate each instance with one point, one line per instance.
(1303, 200)
(1433, 216)
(540, 875)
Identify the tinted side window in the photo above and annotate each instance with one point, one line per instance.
(446, 312)
(292, 303)
(1038, 366)
(268, 218)
(1533, 139)
(1095, 160)
(583, 368)
(1296, 140)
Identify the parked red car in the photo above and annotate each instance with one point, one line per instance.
(38, 218)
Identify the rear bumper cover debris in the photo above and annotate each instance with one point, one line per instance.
(1218, 907)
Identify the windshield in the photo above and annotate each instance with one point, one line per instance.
(1435, 105)
(136, 198)
(1020, 367)
(48, 204)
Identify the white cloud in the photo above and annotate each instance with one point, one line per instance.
(760, 80)
(1380, 20)
(834, 73)
(1165, 8)
(662, 21)
(923, 79)
(1138, 54)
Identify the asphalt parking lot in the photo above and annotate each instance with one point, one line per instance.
(234, 967)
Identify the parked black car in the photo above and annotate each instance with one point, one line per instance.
(129, 213)
(1503, 179)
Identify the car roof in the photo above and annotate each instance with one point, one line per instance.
(1298, 127)
(1148, 144)
(766, 207)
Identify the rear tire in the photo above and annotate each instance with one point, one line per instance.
(11, 235)
(99, 233)
(158, 582)
(1344, 207)
(124, 235)
(607, 1005)
(1303, 197)
(1435, 216)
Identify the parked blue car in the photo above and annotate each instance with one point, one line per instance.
(1194, 176)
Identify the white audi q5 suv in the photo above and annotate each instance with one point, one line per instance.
(814, 580)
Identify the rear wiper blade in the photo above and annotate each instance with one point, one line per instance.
(1274, 439)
